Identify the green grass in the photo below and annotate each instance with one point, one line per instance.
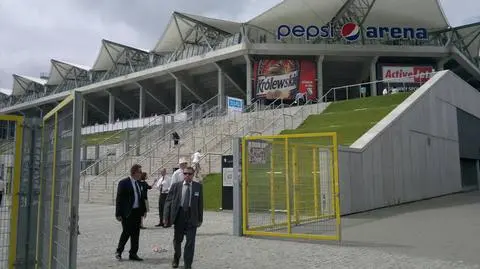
(352, 118)
(105, 138)
(212, 192)
(349, 119)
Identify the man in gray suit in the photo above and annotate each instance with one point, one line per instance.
(184, 209)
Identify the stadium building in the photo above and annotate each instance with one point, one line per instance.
(297, 47)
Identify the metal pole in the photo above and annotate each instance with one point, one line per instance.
(75, 177)
(237, 186)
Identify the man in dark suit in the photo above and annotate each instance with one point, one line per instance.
(184, 208)
(130, 207)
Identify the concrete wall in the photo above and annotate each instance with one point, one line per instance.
(411, 154)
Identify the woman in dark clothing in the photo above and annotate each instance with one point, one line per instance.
(144, 189)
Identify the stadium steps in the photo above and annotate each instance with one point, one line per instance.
(161, 154)
(214, 137)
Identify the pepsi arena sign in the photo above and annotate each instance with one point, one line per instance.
(350, 32)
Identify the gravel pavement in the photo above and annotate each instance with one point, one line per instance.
(372, 240)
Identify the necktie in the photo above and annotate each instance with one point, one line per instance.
(186, 198)
(137, 190)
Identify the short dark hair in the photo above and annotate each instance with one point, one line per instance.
(135, 169)
(144, 176)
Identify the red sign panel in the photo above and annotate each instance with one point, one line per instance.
(407, 74)
(285, 79)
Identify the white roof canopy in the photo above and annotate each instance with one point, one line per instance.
(61, 71)
(6, 92)
(293, 12)
(22, 83)
(112, 53)
(410, 13)
(180, 29)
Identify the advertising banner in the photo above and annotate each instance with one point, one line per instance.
(407, 74)
(285, 79)
(234, 104)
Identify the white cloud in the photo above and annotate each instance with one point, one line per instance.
(33, 32)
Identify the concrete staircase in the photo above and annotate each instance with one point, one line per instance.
(212, 135)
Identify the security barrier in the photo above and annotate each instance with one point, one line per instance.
(10, 171)
(290, 186)
(57, 226)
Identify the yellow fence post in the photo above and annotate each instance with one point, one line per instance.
(17, 172)
(52, 199)
(336, 187)
(315, 180)
(295, 183)
(287, 187)
(272, 184)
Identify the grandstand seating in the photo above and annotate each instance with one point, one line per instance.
(213, 135)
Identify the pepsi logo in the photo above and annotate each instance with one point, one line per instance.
(350, 31)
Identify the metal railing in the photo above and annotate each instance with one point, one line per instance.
(143, 131)
(146, 157)
(354, 91)
(212, 119)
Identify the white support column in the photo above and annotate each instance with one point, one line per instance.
(373, 76)
(178, 95)
(249, 80)
(441, 64)
(111, 108)
(221, 89)
(85, 112)
(141, 106)
(320, 77)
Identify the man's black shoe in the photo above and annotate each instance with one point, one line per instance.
(135, 258)
(175, 264)
(118, 256)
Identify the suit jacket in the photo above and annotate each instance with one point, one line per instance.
(174, 202)
(144, 188)
(126, 197)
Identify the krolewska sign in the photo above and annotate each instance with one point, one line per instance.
(350, 32)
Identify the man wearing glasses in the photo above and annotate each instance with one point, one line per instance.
(184, 209)
(130, 207)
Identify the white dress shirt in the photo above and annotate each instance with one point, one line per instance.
(196, 157)
(163, 184)
(136, 191)
(177, 176)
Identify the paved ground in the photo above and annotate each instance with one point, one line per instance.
(439, 233)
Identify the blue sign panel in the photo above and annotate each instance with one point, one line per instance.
(234, 104)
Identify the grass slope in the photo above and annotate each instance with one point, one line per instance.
(349, 119)
(352, 118)
(105, 138)
(212, 192)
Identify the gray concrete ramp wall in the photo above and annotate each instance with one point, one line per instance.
(413, 153)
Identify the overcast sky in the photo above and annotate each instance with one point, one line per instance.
(32, 32)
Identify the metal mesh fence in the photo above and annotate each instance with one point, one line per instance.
(291, 186)
(7, 157)
(53, 242)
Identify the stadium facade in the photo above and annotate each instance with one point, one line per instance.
(311, 45)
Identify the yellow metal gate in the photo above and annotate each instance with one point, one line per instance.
(58, 201)
(290, 186)
(11, 128)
